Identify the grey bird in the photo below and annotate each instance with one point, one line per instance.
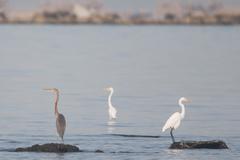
(60, 119)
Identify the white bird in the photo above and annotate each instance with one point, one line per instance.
(111, 110)
(174, 120)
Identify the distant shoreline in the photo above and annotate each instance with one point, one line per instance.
(121, 24)
(171, 14)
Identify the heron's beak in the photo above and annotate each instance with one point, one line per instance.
(105, 89)
(47, 89)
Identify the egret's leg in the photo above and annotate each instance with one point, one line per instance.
(172, 135)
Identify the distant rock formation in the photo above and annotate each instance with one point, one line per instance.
(60, 16)
(199, 145)
(3, 17)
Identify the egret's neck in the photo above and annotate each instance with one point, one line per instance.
(183, 109)
(56, 103)
(110, 99)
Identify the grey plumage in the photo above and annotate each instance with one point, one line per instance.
(60, 119)
(61, 125)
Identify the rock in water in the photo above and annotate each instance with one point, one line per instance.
(50, 147)
(199, 145)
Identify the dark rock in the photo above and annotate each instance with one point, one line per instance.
(2, 17)
(49, 147)
(170, 16)
(99, 151)
(199, 145)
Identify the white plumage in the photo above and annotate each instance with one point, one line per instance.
(112, 111)
(174, 120)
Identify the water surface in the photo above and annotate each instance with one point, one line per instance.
(150, 67)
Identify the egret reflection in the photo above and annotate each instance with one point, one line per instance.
(111, 126)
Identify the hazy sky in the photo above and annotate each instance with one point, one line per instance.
(117, 4)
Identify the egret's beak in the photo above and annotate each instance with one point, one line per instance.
(188, 101)
(105, 89)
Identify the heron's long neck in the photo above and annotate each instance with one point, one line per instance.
(56, 103)
(183, 110)
(110, 99)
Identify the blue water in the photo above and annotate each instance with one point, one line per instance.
(149, 67)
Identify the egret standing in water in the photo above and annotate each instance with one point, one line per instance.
(60, 119)
(174, 120)
(111, 110)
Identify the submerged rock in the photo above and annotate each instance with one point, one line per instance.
(135, 136)
(199, 145)
(98, 151)
(50, 147)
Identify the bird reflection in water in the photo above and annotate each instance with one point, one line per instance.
(111, 126)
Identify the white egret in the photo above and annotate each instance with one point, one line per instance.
(174, 120)
(111, 110)
(60, 119)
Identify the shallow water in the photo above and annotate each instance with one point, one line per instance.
(150, 67)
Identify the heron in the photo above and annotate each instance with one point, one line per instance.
(174, 120)
(60, 119)
(111, 110)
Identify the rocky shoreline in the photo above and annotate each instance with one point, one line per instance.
(60, 18)
(165, 15)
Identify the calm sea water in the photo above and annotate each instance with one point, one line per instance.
(150, 67)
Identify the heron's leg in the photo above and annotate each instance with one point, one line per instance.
(172, 135)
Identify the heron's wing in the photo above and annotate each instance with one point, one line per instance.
(61, 125)
(172, 121)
